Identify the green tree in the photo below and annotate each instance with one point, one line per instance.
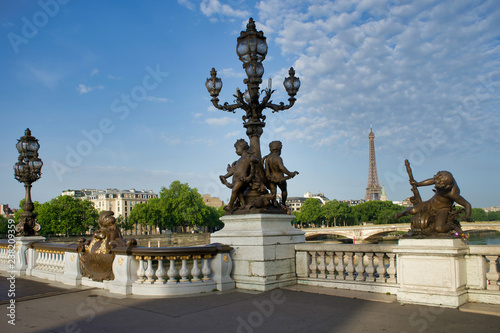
(478, 214)
(4, 225)
(310, 212)
(184, 206)
(493, 216)
(336, 212)
(378, 212)
(66, 215)
(151, 213)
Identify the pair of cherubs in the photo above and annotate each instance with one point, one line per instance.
(250, 172)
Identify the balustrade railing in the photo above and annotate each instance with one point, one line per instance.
(179, 265)
(358, 267)
(487, 258)
(6, 253)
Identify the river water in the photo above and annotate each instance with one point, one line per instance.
(175, 240)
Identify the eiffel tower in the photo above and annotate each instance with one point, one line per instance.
(373, 190)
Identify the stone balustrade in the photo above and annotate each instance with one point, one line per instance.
(138, 270)
(444, 272)
(474, 270)
(483, 273)
(172, 271)
(357, 267)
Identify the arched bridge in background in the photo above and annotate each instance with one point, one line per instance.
(370, 233)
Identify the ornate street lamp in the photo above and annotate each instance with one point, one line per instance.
(28, 170)
(251, 49)
(251, 190)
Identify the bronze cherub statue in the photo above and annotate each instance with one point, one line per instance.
(438, 215)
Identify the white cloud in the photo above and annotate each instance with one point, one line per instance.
(94, 72)
(83, 89)
(211, 8)
(231, 73)
(398, 66)
(112, 77)
(156, 99)
(49, 79)
(186, 3)
(220, 121)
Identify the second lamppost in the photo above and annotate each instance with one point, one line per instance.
(28, 170)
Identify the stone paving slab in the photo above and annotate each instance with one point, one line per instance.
(281, 310)
(489, 309)
(374, 297)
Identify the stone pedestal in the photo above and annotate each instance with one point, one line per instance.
(21, 253)
(432, 271)
(263, 252)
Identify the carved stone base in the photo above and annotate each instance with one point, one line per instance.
(264, 249)
(432, 271)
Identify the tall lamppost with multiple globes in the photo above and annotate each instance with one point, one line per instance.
(251, 49)
(28, 170)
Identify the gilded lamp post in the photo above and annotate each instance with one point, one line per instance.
(251, 49)
(28, 170)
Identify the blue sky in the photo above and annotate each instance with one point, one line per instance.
(115, 93)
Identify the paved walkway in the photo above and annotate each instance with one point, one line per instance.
(52, 307)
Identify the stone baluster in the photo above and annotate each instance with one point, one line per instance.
(61, 262)
(370, 268)
(314, 265)
(140, 270)
(322, 265)
(150, 273)
(160, 272)
(381, 267)
(331, 265)
(44, 261)
(172, 272)
(50, 263)
(350, 266)
(195, 272)
(206, 267)
(39, 259)
(360, 267)
(184, 272)
(493, 275)
(391, 270)
(340, 266)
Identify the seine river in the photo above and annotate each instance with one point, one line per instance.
(481, 238)
(175, 240)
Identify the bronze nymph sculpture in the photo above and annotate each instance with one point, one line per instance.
(438, 215)
(96, 257)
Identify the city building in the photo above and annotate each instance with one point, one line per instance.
(212, 201)
(353, 202)
(5, 211)
(295, 203)
(121, 202)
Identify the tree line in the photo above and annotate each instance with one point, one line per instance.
(335, 213)
(177, 206)
(180, 206)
